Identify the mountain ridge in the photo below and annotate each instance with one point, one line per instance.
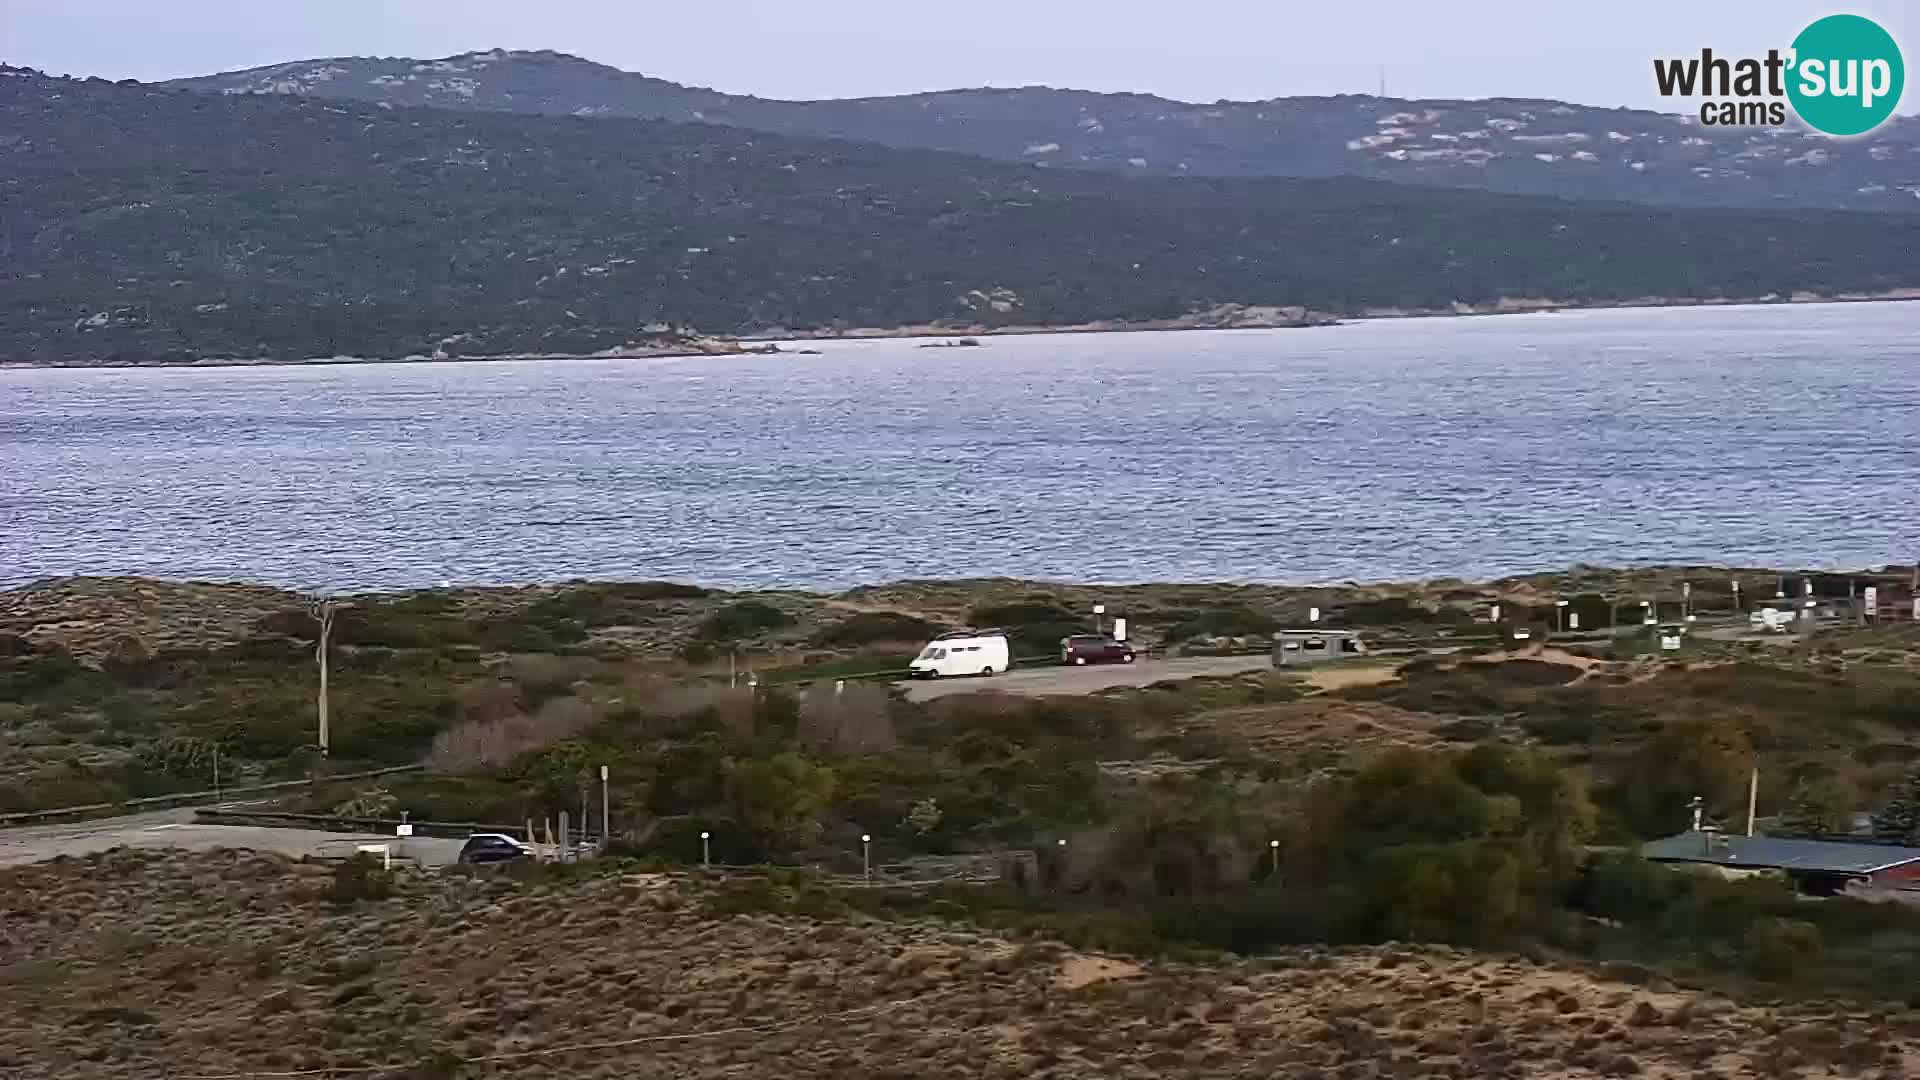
(1509, 144)
(140, 223)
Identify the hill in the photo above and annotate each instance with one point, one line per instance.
(128, 965)
(146, 224)
(1516, 145)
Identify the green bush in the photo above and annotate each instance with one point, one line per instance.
(1778, 948)
(356, 879)
(869, 627)
(611, 604)
(1629, 888)
(678, 839)
(779, 799)
(1395, 611)
(743, 619)
(1223, 622)
(1034, 626)
(1038, 609)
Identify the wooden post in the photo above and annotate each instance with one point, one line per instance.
(1753, 798)
(562, 851)
(323, 611)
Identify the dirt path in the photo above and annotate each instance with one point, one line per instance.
(177, 829)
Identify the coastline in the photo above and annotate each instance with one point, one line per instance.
(1312, 319)
(1220, 317)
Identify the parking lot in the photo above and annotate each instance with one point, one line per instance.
(1090, 679)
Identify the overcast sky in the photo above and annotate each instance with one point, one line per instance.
(1197, 50)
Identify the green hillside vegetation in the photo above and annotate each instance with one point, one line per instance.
(140, 224)
(1462, 798)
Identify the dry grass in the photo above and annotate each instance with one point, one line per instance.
(496, 741)
(1281, 731)
(138, 965)
(851, 718)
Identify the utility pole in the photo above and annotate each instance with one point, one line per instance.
(323, 612)
(606, 815)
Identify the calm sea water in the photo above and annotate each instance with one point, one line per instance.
(1382, 450)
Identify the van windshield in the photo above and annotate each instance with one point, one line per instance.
(932, 653)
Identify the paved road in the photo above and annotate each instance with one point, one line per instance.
(176, 829)
(1087, 680)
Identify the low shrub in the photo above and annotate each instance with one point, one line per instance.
(746, 618)
(1222, 622)
(871, 627)
(357, 879)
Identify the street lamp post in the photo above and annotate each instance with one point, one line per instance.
(1560, 615)
(1099, 610)
(706, 850)
(1273, 848)
(866, 857)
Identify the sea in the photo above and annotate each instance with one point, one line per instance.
(1383, 450)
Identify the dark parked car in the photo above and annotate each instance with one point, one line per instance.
(493, 848)
(1094, 649)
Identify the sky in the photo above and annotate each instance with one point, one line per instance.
(1194, 50)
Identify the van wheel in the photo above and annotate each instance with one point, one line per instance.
(988, 670)
(1079, 660)
(1127, 659)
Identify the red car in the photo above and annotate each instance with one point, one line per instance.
(1094, 649)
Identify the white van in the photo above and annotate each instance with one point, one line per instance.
(963, 652)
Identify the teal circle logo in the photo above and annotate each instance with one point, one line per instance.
(1846, 76)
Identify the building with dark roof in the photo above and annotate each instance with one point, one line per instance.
(1819, 867)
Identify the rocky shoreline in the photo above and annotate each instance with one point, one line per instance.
(1221, 317)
